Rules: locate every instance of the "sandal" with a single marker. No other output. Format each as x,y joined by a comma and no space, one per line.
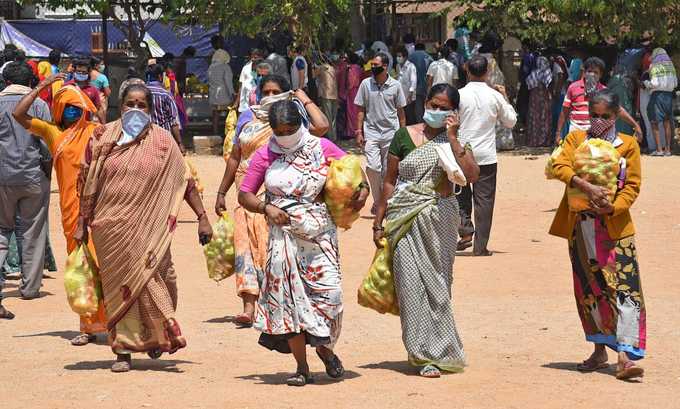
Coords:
243,320
83,339
333,365
464,244
300,379
591,365
5,314
122,364
155,353
629,371
430,371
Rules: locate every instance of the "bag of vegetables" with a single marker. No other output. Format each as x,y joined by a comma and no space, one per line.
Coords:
551,160
81,282
344,177
597,162
194,174
229,132
377,290
219,253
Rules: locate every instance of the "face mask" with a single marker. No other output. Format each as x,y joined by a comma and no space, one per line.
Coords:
288,142
401,60
435,118
134,121
71,114
101,68
590,80
377,70
334,57
600,127
80,77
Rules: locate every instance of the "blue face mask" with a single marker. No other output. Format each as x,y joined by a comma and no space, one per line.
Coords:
134,122
435,119
71,114
80,77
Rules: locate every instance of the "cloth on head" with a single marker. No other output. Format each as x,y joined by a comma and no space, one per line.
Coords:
262,111
542,74
71,95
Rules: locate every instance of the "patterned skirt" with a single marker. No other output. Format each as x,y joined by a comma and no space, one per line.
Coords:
607,287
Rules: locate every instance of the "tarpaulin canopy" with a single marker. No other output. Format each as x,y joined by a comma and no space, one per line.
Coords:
10,35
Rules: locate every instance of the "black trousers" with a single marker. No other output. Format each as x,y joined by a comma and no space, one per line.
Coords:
483,195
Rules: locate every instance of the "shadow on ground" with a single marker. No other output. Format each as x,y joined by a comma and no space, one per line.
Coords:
61,334
279,378
403,367
17,294
159,365
221,320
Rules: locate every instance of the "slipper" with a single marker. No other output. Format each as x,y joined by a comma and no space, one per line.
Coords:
243,320
5,314
300,379
591,365
430,371
122,364
333,365
464,244
83,339
630,371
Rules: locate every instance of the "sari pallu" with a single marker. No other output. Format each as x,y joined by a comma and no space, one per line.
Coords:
250,229
130,200
422,230
301,287
607,287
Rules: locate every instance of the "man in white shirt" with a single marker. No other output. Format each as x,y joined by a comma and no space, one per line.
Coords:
480,108
247,79
298,70
442,71
381,103
408,78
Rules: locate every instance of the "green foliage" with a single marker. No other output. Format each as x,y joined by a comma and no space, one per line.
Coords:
555,22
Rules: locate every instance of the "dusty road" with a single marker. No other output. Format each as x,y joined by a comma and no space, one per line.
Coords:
515,312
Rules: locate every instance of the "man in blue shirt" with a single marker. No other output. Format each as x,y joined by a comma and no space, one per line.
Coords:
422,61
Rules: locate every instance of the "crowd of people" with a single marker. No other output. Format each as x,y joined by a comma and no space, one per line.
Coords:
429,129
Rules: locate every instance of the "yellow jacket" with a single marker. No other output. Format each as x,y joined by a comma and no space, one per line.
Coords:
619,224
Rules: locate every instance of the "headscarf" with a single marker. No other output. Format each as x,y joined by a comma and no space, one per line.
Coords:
542,74
221,57
261,111
662,65
575,69
72,95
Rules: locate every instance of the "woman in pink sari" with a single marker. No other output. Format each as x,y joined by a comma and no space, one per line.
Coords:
354,78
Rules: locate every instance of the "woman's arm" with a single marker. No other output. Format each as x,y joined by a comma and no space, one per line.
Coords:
21,110
228,178
389,182
251,203
193,198
463,156
318,122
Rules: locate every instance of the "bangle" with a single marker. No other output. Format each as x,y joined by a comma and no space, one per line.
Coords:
200,215
378,228
364,185
264,207
221,193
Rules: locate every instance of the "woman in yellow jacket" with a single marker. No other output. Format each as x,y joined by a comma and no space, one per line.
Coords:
602,247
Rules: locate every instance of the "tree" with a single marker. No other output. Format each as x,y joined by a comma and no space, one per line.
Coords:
556,22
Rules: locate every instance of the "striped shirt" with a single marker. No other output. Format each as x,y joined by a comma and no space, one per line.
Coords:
577,102
165,113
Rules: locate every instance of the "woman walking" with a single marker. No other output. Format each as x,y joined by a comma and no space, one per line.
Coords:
251,232
539,122
66,139
133,181
424,165
301,298
602,247
354,78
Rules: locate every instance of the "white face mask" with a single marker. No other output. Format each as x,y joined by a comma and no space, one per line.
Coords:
134,121
290,143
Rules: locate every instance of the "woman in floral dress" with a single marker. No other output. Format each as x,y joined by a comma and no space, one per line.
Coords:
300,300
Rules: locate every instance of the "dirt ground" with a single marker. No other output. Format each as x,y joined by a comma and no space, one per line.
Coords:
515,312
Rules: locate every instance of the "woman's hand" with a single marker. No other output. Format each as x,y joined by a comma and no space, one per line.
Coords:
205,231
378,235
220,204
51,80
452,125
597,195
302,96
275,215
359,199
603,209
80,235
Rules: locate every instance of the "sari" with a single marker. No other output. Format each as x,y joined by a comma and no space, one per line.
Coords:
67,149
250,231
354,78
131,196
301,287
422,230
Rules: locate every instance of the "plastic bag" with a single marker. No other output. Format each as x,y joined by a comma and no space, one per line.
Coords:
219,253
377,290
344,177
549,174
597,162
81,281
194,174
229,133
